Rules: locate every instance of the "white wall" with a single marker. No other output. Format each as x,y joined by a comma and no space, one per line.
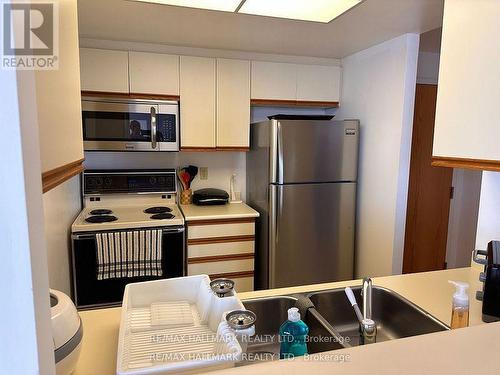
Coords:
26,344
61,206
463,217
379,88
488,227
428,67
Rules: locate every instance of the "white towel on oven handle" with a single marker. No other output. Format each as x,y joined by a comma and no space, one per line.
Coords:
129,254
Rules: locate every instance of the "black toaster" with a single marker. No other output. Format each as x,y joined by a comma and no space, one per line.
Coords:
490,295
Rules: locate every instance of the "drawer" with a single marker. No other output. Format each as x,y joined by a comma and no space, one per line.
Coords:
220,230
220,266
217,249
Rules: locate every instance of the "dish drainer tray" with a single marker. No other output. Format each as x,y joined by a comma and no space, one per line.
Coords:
175,326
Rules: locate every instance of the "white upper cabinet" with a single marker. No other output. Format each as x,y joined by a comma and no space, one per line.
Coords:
59,111
318,83
468,97
233,103
154,73
197,102
295,82
104,70
274,81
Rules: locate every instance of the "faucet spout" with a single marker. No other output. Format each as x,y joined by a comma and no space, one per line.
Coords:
366,293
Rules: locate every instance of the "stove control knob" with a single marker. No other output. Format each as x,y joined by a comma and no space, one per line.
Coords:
152,180
482,277
99,181
107,181
479,295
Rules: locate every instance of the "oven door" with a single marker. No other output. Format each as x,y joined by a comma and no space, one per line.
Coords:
130,125
89,292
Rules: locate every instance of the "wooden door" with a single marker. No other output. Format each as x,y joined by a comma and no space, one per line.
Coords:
428,194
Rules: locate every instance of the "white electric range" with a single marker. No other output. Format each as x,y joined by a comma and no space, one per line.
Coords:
129,230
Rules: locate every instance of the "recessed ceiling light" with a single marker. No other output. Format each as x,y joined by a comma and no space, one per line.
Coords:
223,5
306,10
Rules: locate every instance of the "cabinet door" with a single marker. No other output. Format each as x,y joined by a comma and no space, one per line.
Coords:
318,83
104,70
233,103
466,129
197,102
154,73
274,81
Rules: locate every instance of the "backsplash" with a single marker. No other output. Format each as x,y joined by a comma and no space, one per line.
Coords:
221,165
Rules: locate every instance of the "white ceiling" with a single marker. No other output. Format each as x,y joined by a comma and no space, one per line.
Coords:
369,23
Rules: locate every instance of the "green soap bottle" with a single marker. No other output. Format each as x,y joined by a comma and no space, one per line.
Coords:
293,336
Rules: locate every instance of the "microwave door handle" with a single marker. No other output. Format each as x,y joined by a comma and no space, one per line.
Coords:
153,127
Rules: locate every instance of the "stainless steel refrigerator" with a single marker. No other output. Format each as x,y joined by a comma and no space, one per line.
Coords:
301,177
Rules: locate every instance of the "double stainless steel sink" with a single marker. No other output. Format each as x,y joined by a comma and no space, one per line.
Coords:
332,322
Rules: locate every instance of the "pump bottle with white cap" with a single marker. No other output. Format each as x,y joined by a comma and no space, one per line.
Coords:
460,307
293,336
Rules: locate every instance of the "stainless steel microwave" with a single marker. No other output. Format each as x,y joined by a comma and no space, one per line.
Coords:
130,125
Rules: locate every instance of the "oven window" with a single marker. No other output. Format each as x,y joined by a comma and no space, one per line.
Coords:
116,126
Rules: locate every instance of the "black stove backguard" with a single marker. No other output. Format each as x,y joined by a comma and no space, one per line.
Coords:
89,292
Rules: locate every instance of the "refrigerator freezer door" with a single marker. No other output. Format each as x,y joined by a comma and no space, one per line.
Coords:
311,234
316,151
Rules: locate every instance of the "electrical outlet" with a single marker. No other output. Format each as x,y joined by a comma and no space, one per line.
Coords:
203,173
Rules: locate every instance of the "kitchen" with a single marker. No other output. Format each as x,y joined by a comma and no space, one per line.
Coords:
228,70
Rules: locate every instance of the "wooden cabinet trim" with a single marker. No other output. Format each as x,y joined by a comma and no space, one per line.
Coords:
132,95
293,103
200,241
198,149
232,275
451,162
233,148
219,258
221,221
57,176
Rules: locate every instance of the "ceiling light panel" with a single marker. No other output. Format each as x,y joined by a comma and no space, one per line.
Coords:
306,10
223,5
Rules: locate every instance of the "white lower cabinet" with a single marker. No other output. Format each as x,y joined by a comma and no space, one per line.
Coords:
222,248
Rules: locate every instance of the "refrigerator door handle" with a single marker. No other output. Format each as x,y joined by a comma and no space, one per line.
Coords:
273,234
275,214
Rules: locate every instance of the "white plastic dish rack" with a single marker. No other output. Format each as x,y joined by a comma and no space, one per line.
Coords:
175,326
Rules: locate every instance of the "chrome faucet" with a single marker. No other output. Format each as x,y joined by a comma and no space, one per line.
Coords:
366,293
367,327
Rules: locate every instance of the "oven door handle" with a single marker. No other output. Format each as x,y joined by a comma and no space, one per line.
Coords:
153,127
174,230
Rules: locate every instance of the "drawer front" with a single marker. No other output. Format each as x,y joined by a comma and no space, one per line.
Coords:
220,230
221,266
218,249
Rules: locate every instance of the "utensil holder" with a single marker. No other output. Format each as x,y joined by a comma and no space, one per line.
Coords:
186,196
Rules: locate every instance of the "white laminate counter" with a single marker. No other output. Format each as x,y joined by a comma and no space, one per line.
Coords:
193,212
464,351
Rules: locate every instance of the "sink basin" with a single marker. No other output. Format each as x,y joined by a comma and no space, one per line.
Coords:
396,317
271,313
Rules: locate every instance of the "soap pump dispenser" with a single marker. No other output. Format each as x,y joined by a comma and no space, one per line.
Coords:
460,307
293,336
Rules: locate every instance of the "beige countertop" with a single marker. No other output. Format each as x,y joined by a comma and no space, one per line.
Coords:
459,351
193,212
